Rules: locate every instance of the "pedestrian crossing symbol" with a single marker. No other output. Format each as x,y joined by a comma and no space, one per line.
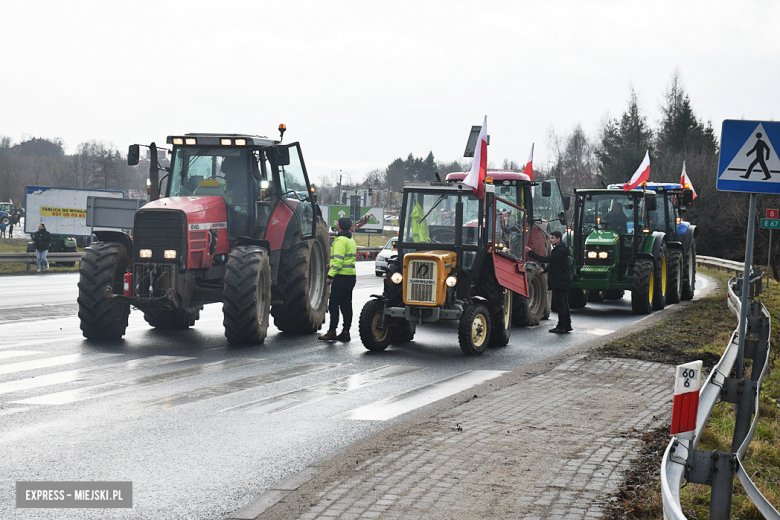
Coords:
748,157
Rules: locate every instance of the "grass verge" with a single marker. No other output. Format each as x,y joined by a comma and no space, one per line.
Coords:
20,246
701,330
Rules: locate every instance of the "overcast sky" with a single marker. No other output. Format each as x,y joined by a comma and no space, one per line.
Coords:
362,83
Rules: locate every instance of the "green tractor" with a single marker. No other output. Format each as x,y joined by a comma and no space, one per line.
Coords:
615,248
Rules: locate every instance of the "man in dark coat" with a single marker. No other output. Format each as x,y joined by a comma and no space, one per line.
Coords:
559,280
42,239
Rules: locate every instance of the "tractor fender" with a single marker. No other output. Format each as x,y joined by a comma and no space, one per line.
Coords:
677,246
688,238
116,236
249,241
658,242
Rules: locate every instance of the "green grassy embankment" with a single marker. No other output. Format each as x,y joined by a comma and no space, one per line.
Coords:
20,246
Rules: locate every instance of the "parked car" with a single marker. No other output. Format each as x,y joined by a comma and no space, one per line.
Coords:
387,253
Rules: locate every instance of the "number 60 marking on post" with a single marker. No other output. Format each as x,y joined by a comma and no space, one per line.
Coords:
687,381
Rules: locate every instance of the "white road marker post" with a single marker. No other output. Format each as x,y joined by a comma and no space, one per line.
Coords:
687,381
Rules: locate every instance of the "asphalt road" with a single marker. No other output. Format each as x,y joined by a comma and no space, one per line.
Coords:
201,428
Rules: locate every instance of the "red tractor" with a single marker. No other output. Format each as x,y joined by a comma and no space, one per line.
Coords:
227,224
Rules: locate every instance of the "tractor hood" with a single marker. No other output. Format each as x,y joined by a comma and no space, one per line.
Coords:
602,238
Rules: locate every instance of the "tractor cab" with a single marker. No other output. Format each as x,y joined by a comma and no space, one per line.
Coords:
253,175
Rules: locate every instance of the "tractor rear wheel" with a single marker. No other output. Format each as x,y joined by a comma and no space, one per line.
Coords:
614,294
642,286
474,329
661,271
595,296
246,295
502,322
674,281
530,310
373,338
300,284
178,319
101,274
689,272
578,298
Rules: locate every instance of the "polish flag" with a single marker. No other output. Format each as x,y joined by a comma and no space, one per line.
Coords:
641,175
686,181
476,177
529,166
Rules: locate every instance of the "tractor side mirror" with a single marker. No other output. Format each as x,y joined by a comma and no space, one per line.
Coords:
687,197
133,155
566,203
562,218
282,156
651,203
546,189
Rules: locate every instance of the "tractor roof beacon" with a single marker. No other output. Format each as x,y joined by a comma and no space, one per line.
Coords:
225,224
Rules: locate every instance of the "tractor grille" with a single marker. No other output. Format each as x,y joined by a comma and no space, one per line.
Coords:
160,230
421,282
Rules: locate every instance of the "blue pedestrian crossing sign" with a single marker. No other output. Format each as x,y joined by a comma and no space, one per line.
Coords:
748,157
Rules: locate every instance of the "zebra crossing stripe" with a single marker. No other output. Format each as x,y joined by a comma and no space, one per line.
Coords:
90,392
406,402
209,392
81,374
50,362
323,390
5,354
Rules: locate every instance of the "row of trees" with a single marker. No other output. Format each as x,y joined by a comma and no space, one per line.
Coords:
43,162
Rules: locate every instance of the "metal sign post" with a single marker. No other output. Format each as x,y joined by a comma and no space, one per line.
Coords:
746,283
771,221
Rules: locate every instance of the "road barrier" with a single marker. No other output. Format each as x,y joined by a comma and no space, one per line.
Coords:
681,460
719,264
29,258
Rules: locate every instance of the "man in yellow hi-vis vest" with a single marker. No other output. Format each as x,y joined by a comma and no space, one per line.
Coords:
419,225
341,278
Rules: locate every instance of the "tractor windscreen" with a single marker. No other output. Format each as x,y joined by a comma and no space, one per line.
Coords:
430,217
612,212
210,171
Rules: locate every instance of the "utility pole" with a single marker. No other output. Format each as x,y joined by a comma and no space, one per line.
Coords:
338,200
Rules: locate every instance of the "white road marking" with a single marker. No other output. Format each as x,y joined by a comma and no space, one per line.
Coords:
18,353
406,402
50,362
323,390
598,332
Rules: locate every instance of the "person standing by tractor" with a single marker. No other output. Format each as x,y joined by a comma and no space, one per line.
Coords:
559,280
42,239
341,278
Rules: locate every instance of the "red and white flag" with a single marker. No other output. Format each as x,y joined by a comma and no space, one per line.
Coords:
641,175
476,177
529,166
686,182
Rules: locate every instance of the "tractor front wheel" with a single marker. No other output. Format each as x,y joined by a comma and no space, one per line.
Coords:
474,329
373,337
689,272
595,296
101,274
578,298
614,294
246,295
661,271
502,322
642,286
530,310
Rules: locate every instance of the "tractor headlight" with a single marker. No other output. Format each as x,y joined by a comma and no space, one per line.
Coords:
451,281
592,254
603,254
170,253
145,253
397,278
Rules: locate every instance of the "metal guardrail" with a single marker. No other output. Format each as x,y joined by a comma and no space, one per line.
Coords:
682,460
27,258
719,264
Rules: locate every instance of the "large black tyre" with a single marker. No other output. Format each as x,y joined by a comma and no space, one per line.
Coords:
502,322
689,272
596,296
101,274
178,319
474,329
5,219
246,295
372,337
674,276
531,310
401,332
578,298
300,284
614,294
642,286
661,271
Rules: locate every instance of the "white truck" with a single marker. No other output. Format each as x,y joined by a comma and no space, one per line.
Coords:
64,213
